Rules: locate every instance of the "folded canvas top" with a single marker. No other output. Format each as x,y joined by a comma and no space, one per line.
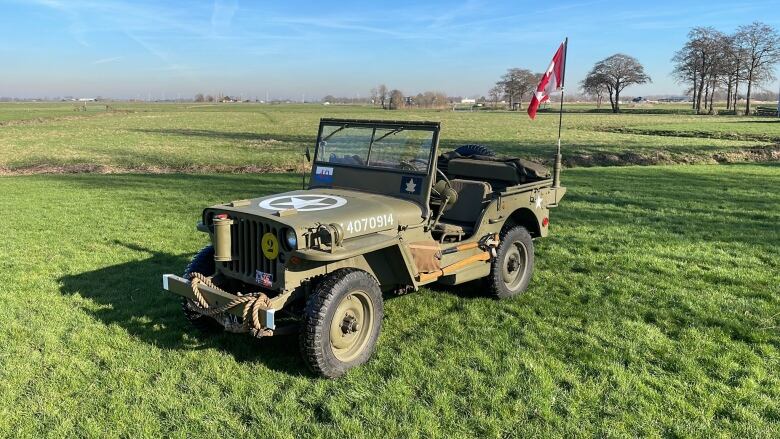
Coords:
508,170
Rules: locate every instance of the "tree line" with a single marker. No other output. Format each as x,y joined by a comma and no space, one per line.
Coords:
514,86
394,99
608,76
712,61
220,98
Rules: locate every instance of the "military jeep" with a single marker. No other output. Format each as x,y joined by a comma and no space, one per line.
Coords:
382,212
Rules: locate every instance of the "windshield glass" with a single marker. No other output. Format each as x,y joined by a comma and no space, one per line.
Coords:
389,148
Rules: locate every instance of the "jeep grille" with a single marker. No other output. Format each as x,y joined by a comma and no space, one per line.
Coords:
248,257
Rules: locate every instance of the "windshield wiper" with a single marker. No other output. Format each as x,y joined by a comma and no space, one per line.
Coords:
334,132
395,131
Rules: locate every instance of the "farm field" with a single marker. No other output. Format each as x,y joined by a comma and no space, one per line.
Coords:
259,138
654,310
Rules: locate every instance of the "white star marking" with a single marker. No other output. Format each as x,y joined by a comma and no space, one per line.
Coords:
410,186
303,203
539,201
298,203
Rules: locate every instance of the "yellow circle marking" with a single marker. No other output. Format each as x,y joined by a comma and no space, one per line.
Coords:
270,245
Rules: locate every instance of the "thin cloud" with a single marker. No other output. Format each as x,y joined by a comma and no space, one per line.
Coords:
107,60
222,15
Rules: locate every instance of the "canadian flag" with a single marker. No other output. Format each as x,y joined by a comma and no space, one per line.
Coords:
552,81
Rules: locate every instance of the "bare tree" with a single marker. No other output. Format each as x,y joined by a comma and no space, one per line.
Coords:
199,97
516,84
495,94
761,44
686,70
697,61
209,98
732,69
396,99
431,99
595,86
616,73
374,95
381,93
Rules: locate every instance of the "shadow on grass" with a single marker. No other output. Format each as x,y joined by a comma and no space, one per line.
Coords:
130,295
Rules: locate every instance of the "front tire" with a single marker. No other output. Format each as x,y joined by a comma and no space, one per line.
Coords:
513,266
203,263
342,321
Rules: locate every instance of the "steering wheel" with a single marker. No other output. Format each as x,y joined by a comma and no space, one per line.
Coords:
439,196
410,164
407,166
444,177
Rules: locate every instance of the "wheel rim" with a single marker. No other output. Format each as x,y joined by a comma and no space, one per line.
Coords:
514,266
351,326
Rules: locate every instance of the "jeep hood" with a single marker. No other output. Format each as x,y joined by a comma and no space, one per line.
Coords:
358,213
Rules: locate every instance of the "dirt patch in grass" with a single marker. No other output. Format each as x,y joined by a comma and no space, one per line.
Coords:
758,154
720,135
87,168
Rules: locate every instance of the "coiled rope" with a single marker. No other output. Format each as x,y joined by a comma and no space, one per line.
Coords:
252,302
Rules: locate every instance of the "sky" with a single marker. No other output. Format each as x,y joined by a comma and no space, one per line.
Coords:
293,49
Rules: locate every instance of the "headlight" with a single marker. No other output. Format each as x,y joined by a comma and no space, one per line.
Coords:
291,239
323,232
331,234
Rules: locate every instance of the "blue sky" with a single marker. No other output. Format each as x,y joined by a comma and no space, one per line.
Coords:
289,48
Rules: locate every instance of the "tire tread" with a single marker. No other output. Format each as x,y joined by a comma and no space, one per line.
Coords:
497,287
314,330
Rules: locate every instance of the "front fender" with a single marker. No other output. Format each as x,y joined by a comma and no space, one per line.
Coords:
384,257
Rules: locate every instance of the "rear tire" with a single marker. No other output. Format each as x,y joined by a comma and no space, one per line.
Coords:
203,263
341,323
512,268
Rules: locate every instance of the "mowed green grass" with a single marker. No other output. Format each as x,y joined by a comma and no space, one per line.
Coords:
654,311
257,137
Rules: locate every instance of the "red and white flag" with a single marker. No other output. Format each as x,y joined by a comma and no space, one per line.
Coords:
552,81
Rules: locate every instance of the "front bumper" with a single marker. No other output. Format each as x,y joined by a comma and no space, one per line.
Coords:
181,286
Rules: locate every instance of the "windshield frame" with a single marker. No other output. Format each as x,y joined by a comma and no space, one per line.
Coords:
432,127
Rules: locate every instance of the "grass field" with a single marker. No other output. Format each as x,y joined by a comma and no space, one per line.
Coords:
654,311
254,137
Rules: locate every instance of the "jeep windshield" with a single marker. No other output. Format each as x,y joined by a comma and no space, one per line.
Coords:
397,147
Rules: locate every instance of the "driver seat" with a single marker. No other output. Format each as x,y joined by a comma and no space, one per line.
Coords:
459,220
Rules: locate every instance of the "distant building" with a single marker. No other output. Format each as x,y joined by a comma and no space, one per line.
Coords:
468,101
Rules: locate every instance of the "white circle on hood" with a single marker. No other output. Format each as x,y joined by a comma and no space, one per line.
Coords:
303,203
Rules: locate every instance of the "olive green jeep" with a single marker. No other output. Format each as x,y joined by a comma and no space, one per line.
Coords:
382,212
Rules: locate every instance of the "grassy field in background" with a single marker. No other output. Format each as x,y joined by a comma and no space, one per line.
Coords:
257,137
654,310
